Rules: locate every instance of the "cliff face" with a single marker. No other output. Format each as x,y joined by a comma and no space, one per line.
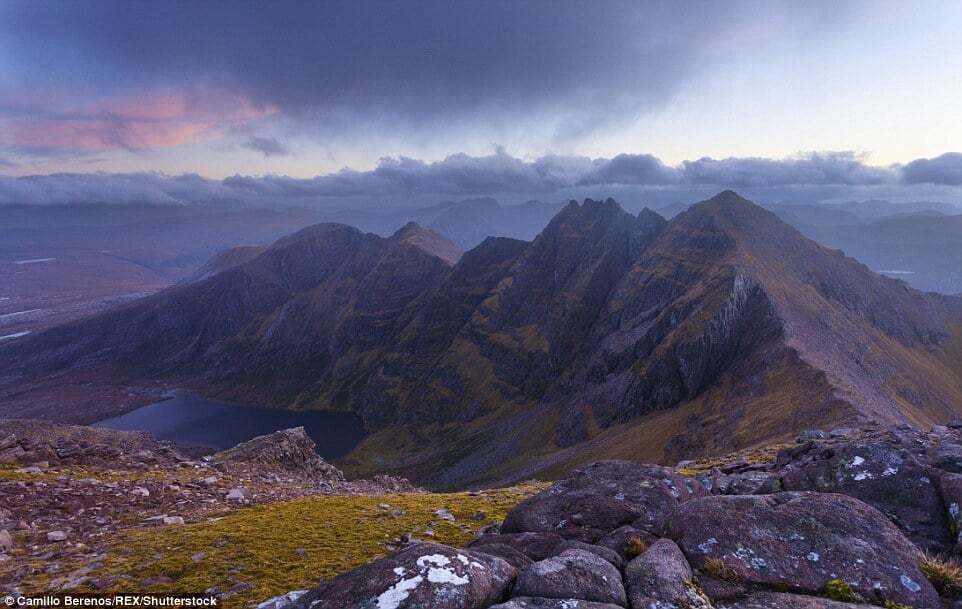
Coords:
608,335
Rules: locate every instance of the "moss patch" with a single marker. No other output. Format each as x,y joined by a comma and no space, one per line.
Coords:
840,590
289,545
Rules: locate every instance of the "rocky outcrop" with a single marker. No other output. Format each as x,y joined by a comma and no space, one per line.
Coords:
289,450
28,442
725,535
880,471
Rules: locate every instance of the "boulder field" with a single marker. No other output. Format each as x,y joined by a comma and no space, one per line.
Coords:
844,519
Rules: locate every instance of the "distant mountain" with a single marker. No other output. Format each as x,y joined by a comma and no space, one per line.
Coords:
924,249
94,256
467,223
609,334
227,259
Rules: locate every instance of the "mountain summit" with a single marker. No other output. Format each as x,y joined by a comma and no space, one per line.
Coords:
607,335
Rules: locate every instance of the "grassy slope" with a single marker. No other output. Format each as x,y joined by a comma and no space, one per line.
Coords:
285,546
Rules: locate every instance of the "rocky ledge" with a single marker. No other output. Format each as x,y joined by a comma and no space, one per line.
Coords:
845,519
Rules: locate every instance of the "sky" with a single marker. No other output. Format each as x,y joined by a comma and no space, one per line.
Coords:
185,100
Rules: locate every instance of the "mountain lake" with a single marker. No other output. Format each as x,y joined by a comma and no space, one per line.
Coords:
193,421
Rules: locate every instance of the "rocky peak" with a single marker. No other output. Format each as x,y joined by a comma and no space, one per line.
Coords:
428,241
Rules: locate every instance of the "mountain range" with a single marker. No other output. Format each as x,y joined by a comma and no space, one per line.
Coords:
608,335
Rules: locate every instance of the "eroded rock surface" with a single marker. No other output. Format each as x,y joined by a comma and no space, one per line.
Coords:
552,603
603,496
803,541
770,600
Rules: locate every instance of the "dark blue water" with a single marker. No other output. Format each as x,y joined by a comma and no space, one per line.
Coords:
193,421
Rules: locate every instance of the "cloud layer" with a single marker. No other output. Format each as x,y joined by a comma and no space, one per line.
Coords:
496,174
91,75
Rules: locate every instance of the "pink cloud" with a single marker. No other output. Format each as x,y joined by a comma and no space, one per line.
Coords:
149,119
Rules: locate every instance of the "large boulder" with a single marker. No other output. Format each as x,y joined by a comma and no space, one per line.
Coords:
603,496
607,553
803,541
514,557
536,546
573,574
422,575
661,577
775,600
879,470
527,602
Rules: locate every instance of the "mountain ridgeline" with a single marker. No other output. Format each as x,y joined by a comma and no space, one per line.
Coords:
608,335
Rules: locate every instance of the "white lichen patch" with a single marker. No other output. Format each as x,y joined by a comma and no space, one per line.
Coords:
910,584
707,545
439,560
398,593
446,576
547,567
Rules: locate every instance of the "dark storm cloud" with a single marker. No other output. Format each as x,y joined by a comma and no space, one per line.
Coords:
496,174
268,146
332,66
945,169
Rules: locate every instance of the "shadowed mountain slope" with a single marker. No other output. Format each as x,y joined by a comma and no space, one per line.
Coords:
608,335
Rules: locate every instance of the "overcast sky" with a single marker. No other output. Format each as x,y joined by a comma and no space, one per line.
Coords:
535,96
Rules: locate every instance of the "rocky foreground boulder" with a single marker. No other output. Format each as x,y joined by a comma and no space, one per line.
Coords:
603,496
841,520
802,541
421,575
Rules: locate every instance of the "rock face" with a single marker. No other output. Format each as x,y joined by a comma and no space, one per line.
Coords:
420,576
803,541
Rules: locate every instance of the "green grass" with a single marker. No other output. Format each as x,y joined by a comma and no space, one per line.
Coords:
288,545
